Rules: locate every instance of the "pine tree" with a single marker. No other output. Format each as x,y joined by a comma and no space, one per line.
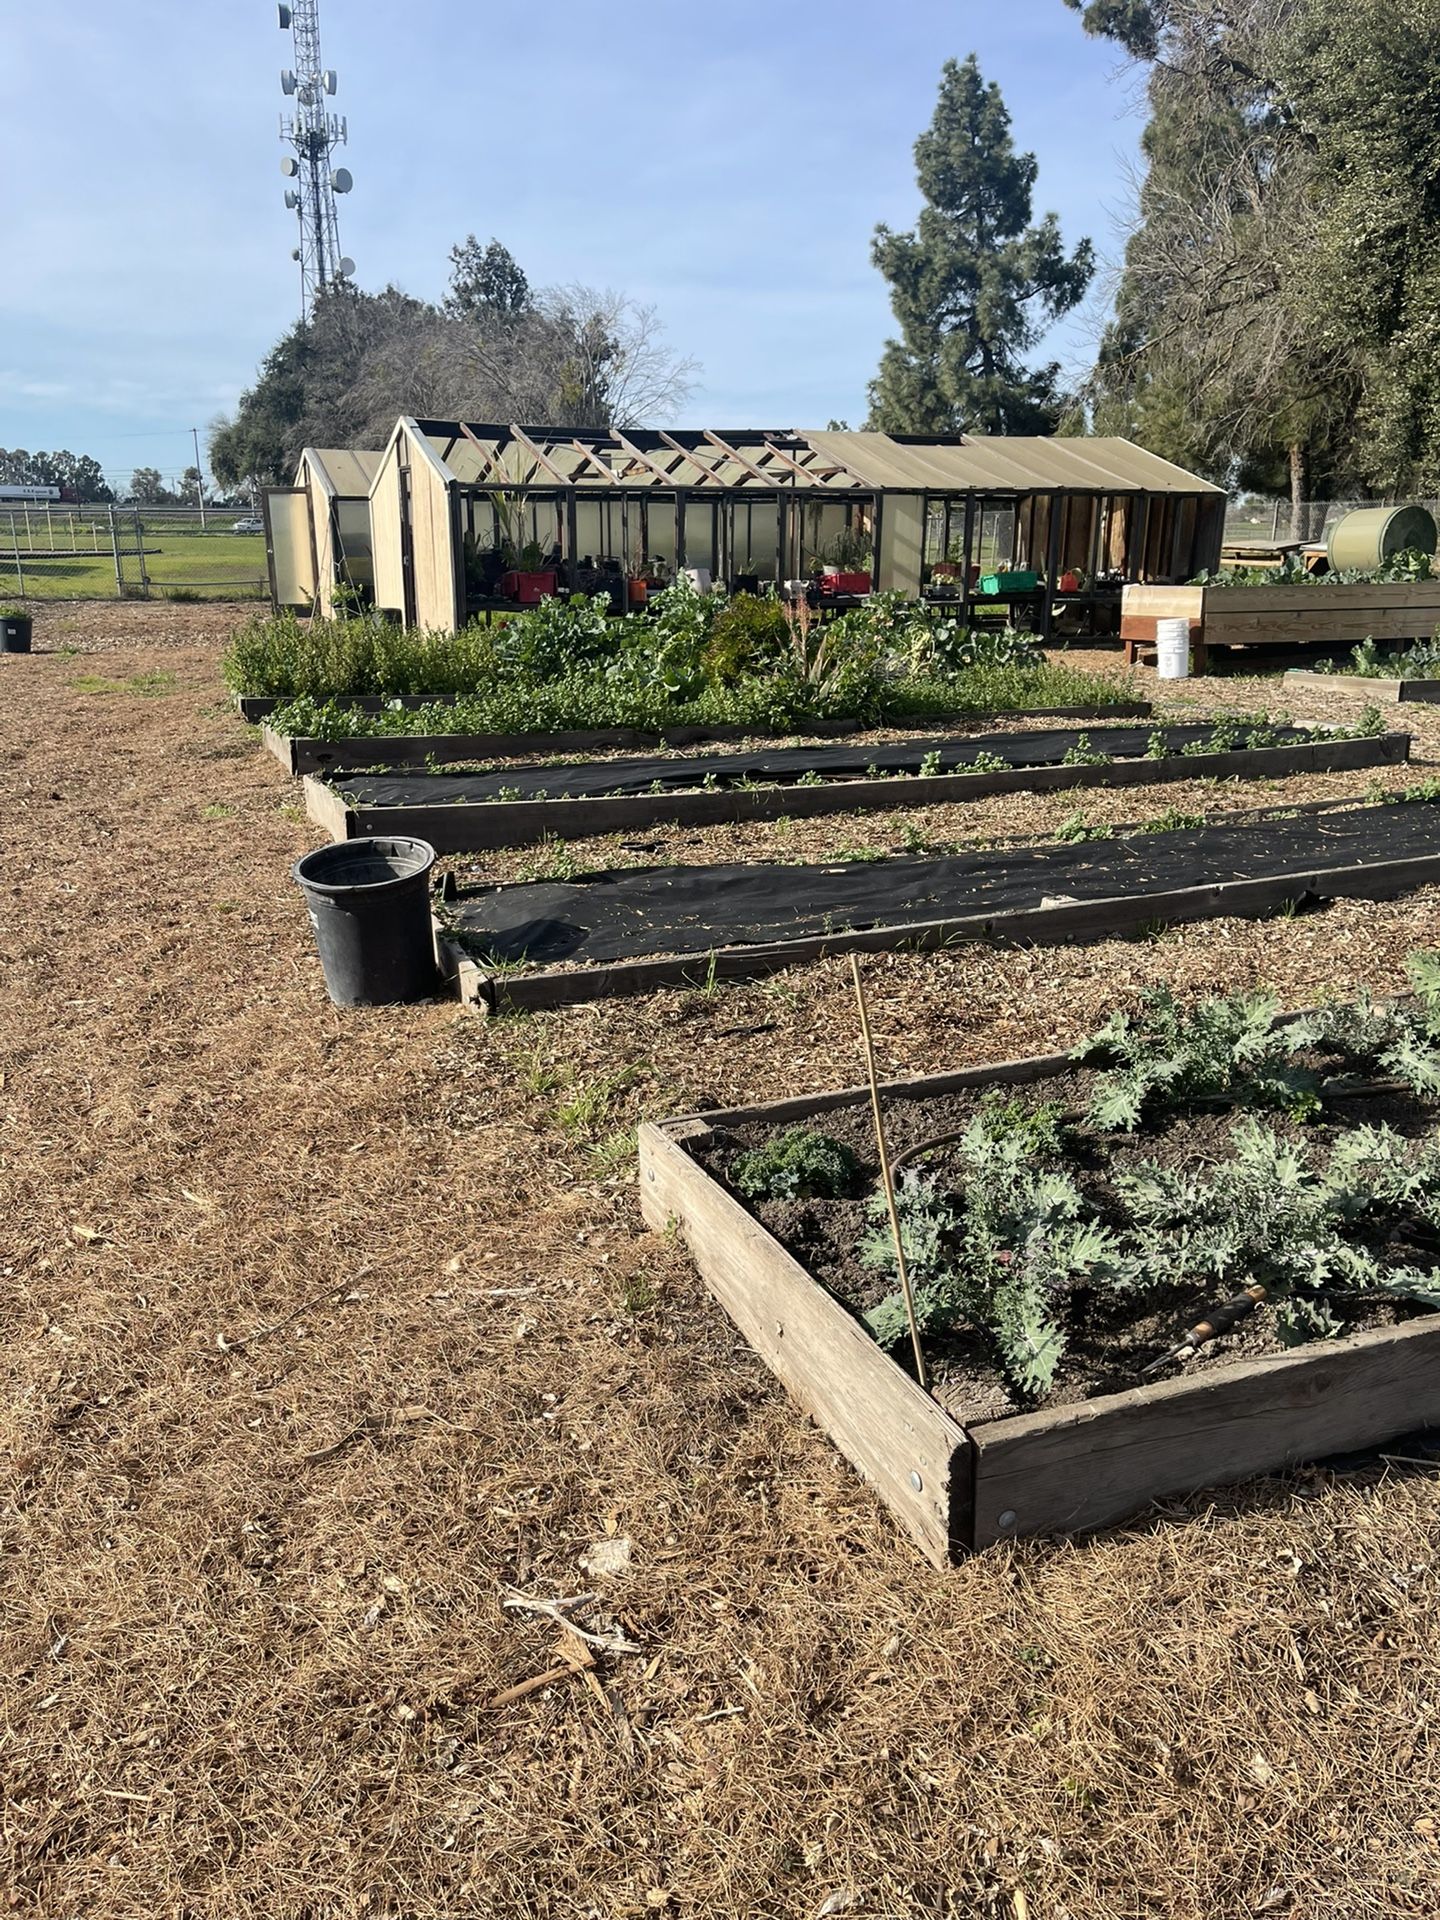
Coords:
974,286
486,282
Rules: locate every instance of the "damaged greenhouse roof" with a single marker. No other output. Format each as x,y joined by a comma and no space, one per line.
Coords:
785,460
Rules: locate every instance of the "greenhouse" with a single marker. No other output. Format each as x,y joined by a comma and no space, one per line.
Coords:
472,519
318,530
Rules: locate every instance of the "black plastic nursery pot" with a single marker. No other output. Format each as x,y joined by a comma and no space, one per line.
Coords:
15,630
369,903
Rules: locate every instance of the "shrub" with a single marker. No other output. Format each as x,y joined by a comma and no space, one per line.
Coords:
748,636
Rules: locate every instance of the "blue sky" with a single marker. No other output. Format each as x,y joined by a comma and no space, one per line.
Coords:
725,163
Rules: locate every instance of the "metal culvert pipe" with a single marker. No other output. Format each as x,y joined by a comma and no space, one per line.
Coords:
1368,537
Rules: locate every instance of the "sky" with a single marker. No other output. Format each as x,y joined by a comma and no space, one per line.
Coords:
726,165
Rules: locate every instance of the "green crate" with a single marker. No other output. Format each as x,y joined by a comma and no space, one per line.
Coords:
1009,582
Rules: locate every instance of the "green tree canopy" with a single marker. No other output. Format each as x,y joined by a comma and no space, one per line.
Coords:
1278,308
486,282
78,473
975,285
494,350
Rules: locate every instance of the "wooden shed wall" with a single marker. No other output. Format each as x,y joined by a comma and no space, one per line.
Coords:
385,539
433,548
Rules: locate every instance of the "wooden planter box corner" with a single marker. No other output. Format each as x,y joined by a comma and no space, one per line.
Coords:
1064,1470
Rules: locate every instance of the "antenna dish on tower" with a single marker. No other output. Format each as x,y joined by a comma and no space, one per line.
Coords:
313,133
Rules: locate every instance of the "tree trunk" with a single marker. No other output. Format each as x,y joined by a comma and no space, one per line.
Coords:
1299,490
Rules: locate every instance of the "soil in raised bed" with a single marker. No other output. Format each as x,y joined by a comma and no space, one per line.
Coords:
1110,1343
629,913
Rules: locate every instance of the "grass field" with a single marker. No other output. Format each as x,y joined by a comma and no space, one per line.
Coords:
177,561
323,1333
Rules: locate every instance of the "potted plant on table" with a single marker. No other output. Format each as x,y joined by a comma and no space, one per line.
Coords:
528,581
15,629
846,562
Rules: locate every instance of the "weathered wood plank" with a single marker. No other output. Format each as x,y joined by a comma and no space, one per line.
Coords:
485,825
327,808
1162,603
1329,626
521,991
1075,1468
930,1086
1377,690
915,1456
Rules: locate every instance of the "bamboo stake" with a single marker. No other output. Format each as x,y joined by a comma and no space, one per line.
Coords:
889,1184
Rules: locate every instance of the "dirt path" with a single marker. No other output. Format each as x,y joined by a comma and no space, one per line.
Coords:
321,1332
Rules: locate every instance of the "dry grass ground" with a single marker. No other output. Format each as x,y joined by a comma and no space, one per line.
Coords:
323,1331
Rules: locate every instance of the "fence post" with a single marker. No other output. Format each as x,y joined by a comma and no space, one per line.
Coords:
19,563
115,549
140,554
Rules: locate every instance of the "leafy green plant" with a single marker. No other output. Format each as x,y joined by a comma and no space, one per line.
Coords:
1166,1054
1003,1257
1083,754
1074,828
1171,820
798,1164
1273,1213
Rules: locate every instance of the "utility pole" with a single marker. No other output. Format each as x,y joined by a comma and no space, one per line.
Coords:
199,476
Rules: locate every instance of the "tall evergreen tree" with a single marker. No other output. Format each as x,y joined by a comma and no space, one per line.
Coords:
975,285
486,283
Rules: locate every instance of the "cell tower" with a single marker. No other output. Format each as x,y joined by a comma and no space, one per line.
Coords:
314,133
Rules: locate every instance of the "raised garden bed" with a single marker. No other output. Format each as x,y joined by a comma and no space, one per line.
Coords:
258,706
1373,687
957,1465
557,942
302,754
459,812
1223,616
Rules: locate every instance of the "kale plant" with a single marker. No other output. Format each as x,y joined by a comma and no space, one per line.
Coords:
1004,1255
1272,1213
796,1165
1164,1055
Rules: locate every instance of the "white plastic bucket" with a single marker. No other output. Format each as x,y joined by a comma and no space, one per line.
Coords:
1172,649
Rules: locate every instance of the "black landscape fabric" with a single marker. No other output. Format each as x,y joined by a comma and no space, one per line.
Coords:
650,911
775,766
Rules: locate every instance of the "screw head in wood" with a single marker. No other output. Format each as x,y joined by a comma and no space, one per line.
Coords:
1007,1518
917,1483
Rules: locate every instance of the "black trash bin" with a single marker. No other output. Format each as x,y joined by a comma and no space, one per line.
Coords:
14,631
369,904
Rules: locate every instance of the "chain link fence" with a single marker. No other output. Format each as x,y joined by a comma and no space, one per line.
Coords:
57,552
1253,521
